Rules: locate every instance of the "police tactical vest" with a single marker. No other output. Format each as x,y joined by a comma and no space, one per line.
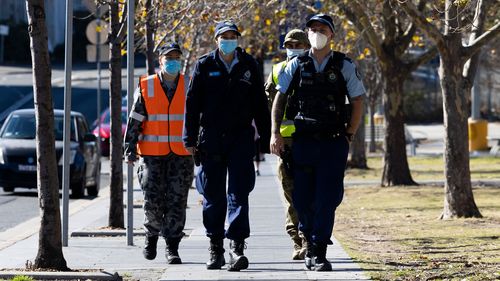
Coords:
317,105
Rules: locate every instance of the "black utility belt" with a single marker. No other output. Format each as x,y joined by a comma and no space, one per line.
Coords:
318,135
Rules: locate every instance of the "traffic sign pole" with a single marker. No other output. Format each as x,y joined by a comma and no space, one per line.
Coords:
67,118
98,60
130,92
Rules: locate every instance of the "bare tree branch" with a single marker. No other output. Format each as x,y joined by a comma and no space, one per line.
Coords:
123,24
423,58
389,23
422,22
173,28
407,37
488,36
360,19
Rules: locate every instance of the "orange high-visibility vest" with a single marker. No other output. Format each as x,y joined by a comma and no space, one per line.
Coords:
162,130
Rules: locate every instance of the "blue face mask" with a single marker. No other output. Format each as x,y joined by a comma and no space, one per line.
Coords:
228,46
172,67
290,53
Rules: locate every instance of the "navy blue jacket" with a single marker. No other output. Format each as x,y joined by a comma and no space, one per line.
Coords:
220,106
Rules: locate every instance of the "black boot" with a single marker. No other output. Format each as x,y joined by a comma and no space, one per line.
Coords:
322,264
237,260
216,254
149,251
309,259
171,251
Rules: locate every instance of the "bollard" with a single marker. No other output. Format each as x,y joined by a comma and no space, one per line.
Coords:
478,130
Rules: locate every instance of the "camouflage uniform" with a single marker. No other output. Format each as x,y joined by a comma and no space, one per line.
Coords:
164,180
292,220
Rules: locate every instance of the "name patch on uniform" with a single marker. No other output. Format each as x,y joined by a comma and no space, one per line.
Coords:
214,73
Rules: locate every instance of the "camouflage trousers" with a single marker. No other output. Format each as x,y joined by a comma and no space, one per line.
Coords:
165,183
292,220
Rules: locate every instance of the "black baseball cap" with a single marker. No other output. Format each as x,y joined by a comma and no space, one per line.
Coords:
165,49
224,26
322,18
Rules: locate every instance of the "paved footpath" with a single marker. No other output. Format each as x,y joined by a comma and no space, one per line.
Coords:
268,249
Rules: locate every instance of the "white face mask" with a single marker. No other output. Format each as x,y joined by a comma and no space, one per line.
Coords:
290,53
318,41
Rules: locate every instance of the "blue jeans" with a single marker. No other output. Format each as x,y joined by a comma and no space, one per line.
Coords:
318,184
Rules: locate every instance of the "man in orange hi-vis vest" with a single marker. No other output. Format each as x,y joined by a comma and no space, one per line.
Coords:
165,173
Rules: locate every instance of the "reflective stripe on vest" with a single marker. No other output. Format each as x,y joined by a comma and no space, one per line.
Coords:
160,138
287,128
165,117
162,129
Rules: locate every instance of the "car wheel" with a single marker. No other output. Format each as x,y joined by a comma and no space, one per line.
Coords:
78,189
93,190
8,189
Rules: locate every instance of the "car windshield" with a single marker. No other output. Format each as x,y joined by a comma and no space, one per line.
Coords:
23,127
107,117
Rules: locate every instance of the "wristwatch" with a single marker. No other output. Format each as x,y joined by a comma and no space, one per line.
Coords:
349,136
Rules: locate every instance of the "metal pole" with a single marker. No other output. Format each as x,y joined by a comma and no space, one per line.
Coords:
98,60
130,93
1,47
476,97
67,118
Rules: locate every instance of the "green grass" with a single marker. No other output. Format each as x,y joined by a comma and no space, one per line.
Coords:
395,234
22,278
428,168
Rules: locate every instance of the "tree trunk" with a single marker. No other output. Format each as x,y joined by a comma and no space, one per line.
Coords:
358,148
373,145
150,44
396,169
50,253
115,68
459,200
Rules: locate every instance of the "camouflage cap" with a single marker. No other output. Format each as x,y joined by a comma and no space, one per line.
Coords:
296,36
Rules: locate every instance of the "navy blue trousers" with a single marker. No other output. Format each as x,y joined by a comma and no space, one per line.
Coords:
318,184
234,165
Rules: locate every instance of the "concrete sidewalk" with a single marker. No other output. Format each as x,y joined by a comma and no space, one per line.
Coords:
268,249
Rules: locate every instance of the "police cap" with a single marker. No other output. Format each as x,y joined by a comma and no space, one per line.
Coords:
322,18
224,26
167,48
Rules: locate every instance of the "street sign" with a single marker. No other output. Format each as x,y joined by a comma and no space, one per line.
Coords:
94,29
4,30
92,7
92,53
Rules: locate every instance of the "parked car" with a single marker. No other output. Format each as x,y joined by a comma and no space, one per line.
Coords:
18,152
105,132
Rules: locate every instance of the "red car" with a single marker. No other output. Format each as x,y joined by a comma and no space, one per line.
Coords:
105,133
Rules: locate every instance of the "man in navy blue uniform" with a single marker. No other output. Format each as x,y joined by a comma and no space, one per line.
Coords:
225,94
318,83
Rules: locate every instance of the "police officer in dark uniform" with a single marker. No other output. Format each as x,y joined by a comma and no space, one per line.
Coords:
321,81
225,93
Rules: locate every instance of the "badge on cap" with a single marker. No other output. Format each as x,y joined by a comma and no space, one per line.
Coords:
247,75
